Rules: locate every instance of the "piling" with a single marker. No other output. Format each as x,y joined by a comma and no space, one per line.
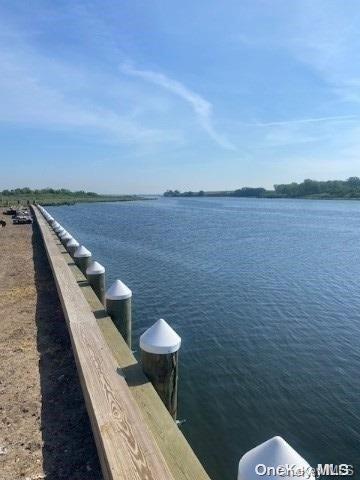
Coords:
82,257
95,274
71,246
118,306
275,453
65,238
62,233
159,356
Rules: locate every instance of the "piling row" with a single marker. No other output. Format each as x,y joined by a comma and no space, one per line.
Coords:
159,347
159,350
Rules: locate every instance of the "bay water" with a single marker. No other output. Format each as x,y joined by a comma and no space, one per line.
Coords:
265,295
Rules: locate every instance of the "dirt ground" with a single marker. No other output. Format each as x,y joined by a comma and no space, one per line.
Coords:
44,428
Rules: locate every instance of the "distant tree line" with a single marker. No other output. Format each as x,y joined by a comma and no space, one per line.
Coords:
241,192
176,193
47,191
349,188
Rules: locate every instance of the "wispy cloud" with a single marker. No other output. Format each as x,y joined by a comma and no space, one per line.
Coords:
39,91
202,108
340,118
324,36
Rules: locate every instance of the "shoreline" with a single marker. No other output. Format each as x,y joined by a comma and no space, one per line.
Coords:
46,431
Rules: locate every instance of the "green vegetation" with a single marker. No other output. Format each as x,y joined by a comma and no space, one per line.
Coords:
51,196
330,189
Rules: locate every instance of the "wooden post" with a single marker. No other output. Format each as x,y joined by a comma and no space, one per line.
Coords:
72,246
159,356
62,234
275,454
82,257
64,238
60,231
118,306
95,274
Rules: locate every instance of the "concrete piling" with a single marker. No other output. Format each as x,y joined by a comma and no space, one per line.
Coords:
265,460
95,274
118,306
159,356
82,257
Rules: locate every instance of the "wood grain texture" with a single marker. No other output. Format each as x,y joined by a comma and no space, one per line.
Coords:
180,458
127,449
162,371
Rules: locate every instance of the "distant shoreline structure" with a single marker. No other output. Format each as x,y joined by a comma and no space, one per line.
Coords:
309,189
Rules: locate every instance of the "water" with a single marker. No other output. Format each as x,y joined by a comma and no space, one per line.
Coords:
266,297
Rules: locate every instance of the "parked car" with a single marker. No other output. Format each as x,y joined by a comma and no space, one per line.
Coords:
9,211
19,220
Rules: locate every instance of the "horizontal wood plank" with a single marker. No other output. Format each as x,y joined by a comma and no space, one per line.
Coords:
126,446
178,454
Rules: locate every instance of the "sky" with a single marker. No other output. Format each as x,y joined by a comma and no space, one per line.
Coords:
143,96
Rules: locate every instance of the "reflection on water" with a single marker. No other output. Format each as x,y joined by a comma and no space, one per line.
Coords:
266,297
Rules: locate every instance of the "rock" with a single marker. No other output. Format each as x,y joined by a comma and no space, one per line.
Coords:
3,450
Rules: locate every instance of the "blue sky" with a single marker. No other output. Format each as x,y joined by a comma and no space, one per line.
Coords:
141,96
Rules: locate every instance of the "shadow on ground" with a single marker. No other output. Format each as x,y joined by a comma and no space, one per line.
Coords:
68,447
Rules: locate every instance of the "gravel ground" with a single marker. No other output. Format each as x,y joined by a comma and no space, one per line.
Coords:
44,428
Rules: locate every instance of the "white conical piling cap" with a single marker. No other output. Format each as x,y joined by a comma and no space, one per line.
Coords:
82,252
66,237
72,243
60,231
95,269
63,233
275,452
160,339
56,225
118,291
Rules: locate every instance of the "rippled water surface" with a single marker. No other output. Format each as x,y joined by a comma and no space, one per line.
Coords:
266,297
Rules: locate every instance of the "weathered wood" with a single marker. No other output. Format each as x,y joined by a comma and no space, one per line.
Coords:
162,371
95,275
127,450
180,458
82,261
120,313
118,306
